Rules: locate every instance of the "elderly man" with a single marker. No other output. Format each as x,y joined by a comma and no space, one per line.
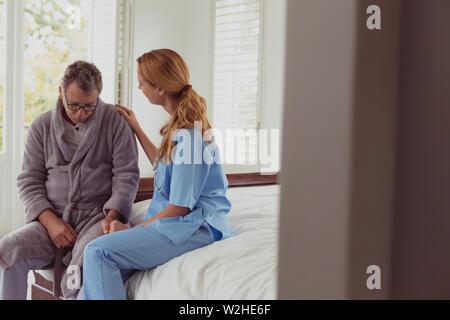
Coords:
80,173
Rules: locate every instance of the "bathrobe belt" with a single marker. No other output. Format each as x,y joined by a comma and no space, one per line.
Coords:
58,265
57,271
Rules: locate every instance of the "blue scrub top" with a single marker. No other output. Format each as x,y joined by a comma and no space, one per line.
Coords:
194,179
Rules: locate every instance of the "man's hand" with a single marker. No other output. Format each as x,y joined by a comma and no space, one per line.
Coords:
60,232
112,216
118,226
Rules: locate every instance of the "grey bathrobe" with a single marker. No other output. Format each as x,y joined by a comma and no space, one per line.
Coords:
79,187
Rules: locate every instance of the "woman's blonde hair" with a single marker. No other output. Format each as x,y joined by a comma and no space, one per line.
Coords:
166,69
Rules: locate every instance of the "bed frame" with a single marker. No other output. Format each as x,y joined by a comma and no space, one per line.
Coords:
42,288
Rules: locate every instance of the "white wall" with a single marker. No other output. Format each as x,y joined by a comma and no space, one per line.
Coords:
185,26
274,52
315,173
166,24
337,176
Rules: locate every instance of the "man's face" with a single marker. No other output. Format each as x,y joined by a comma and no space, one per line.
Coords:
78,97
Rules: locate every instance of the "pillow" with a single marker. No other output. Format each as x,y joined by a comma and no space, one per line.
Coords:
138,213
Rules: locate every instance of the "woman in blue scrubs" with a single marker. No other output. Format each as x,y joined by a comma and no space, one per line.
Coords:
189,206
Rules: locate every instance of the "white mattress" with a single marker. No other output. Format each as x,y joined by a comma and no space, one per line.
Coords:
243,267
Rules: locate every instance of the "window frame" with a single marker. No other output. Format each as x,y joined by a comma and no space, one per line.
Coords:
124,49
11,156
4,65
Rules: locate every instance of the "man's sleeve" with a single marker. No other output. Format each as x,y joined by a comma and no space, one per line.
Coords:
125,170
31,181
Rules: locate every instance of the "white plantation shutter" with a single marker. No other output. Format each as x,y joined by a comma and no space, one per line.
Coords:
103,46
2,73
124,49
237,61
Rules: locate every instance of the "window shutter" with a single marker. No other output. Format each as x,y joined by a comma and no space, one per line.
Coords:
2,69
103,45
237,72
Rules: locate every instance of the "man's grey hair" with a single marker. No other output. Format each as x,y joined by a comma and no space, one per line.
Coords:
86,75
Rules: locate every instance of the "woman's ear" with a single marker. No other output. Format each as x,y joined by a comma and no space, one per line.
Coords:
161,92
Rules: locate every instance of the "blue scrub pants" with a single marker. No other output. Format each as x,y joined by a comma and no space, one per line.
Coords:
111,259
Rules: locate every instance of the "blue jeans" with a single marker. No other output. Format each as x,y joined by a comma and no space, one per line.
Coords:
111,259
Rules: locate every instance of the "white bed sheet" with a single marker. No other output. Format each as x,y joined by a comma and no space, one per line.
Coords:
243,267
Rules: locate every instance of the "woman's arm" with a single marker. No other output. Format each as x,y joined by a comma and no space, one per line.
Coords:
168,212
149,148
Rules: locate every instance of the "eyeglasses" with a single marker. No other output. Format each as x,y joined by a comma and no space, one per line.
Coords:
76,107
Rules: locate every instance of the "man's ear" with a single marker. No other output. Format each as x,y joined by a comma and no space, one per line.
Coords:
60,93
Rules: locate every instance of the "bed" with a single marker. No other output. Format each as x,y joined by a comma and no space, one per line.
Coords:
243,267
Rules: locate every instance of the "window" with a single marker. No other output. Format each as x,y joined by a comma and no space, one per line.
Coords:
2,68
56,34
237,70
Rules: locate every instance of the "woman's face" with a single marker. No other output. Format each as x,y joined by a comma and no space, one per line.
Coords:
151,92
